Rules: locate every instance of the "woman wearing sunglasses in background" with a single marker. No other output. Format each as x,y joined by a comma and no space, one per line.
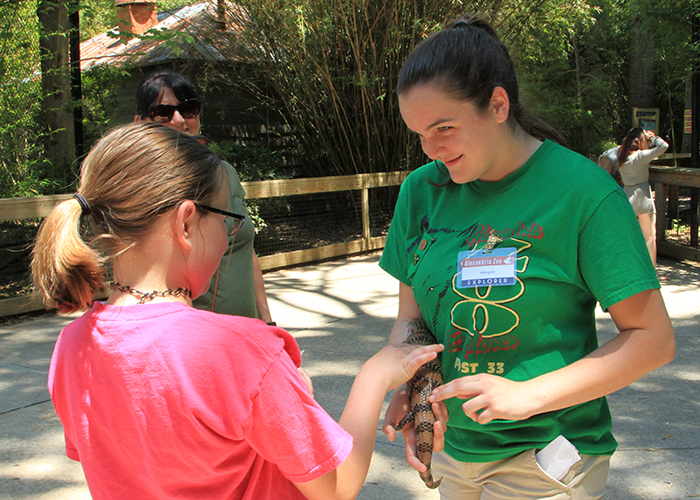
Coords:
237,288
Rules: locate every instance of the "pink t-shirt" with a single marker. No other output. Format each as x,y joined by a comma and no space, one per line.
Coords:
166,401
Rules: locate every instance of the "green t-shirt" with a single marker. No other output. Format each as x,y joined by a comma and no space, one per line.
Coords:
235,290
567,239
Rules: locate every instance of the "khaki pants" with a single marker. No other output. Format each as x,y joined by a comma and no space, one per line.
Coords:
519,478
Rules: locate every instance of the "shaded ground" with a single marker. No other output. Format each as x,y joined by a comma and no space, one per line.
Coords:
341,313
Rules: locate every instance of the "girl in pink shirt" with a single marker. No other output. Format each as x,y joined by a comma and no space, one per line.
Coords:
159,400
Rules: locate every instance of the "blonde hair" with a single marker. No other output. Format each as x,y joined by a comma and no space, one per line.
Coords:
132,175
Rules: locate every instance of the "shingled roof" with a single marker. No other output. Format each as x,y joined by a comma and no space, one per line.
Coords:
200,38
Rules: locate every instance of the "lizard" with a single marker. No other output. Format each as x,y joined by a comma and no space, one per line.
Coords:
419,388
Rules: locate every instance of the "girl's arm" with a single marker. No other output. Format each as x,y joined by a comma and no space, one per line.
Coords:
645,342
647,155
399,405
390,367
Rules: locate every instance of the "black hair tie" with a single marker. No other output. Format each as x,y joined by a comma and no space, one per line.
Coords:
84,205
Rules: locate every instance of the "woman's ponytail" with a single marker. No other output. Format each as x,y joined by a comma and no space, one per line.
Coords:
629,144
65,269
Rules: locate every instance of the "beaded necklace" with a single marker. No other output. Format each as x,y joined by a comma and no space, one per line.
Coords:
146,296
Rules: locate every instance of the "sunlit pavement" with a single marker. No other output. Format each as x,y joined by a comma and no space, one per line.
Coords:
341,313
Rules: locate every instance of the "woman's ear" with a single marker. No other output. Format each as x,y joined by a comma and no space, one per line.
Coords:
500,104
184,222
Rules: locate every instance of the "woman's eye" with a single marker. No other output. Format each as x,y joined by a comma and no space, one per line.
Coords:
445,128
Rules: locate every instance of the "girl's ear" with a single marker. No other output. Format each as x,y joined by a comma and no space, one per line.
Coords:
500,104
184,222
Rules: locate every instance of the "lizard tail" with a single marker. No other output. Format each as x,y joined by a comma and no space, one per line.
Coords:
427,478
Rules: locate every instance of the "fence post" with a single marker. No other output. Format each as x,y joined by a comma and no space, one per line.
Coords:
365,216
661,204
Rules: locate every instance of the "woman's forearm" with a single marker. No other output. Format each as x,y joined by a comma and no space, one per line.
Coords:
645,342
260,294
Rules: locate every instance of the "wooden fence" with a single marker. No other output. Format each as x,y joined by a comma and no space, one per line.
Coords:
41,206
661,178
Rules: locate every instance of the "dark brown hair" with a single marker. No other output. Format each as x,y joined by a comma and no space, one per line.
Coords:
629,144
468,60
153,85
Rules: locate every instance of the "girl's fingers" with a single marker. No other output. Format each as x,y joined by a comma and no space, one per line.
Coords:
421,356
398,407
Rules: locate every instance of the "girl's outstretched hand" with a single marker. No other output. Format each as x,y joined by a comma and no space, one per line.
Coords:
396,364
489,397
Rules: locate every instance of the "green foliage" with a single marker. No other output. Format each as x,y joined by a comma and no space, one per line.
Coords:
100,99
23,169
98,16
576,76
252,162
572,72
668,23
330,66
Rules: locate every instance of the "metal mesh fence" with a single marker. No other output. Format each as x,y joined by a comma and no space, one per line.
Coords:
16,239
283,224
19,99
299,222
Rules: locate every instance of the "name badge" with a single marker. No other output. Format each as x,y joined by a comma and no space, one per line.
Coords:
487,267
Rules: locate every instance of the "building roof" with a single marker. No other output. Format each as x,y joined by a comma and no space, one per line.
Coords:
190,32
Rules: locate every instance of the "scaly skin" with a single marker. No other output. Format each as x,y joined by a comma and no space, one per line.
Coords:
427,378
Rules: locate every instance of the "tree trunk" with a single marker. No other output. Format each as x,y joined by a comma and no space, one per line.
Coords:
54,28
642,90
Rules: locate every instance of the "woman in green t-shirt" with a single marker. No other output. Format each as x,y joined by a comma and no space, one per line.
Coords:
504,244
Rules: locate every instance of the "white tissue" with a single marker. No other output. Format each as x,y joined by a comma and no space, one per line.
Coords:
557,457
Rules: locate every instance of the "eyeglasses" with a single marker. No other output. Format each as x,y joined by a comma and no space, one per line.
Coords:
163,113
233,221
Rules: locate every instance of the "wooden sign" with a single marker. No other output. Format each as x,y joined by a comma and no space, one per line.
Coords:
646,118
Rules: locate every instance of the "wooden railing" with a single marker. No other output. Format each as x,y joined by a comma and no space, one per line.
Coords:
37,207
41,206
662,178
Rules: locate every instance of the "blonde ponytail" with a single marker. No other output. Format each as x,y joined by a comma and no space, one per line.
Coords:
131,176
65,269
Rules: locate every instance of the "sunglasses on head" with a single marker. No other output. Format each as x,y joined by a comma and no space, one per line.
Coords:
163,113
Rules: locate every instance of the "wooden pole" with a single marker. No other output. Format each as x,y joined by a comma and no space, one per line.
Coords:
695,131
